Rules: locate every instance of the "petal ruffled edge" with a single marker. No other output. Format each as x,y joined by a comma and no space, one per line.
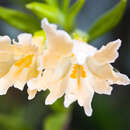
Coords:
59,44
108,53
24,38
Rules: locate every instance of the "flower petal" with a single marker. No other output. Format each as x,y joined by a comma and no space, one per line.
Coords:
17,74
39,42
5,40
24,70
6,49
21,79
55,80
83,94
16,77
121,79
82,50
58,73
108,53
59,44
100,86
106,72
5,67
56,91
25,38
5,43
70,93
69,99
31,93
5,84
37,83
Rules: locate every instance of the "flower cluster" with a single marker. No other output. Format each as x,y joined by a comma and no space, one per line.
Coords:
66,67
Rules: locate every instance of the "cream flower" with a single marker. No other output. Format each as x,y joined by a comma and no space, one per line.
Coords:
52,55
77,69
19,62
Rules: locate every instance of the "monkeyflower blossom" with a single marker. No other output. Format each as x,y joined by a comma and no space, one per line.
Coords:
19,62
77,69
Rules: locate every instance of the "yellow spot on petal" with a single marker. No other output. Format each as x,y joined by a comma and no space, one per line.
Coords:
82,71
74,72
78,72
72,55
25,62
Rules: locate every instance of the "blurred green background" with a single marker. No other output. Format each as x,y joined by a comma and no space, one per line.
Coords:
109,112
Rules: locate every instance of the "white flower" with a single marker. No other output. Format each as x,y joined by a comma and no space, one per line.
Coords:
19,62
52,55
77,69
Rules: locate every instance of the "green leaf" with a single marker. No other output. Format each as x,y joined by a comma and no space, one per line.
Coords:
75,9
107,22
56,121
14,121
72,13
58,106
66,5
22,21
59,118
107,117
52,2
43,10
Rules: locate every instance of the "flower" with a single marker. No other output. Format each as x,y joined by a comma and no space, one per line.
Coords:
19,62
51,56
77,69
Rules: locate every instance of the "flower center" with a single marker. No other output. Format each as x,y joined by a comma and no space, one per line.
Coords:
78,71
